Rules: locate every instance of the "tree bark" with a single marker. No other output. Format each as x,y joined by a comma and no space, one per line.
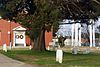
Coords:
39,42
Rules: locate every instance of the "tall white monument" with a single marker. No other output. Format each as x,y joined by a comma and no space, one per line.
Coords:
79,34
92,33
73,26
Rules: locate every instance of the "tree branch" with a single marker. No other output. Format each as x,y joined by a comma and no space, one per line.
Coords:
69,10
77,7
97,2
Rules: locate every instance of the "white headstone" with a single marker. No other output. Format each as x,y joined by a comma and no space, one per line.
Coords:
53,44
30,47
5,47
56,40
50,43
0,17
74,50
67,42
48,48
59,55
86,51
97,48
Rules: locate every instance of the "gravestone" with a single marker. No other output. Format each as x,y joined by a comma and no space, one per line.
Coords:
74,50
67,42
59,55
30,47
5,47
48,48
10,46
86,51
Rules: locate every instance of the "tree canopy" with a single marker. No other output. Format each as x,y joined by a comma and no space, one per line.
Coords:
41,15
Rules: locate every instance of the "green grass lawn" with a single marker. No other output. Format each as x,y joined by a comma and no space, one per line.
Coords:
47,58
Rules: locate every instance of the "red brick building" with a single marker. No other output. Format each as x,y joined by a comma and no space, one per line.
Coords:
7,27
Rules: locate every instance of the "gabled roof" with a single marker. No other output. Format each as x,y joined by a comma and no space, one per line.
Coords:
19,28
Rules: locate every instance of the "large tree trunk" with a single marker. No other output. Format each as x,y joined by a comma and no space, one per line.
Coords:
39,42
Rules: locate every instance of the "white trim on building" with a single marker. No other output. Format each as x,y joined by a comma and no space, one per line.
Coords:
19,36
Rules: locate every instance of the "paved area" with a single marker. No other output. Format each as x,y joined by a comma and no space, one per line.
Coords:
8,62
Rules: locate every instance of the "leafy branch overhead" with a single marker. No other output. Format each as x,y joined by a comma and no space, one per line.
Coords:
78,9
36,13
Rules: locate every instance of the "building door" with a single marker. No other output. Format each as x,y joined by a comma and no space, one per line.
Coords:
19,39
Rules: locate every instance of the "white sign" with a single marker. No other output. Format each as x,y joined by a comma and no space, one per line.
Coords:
30,47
